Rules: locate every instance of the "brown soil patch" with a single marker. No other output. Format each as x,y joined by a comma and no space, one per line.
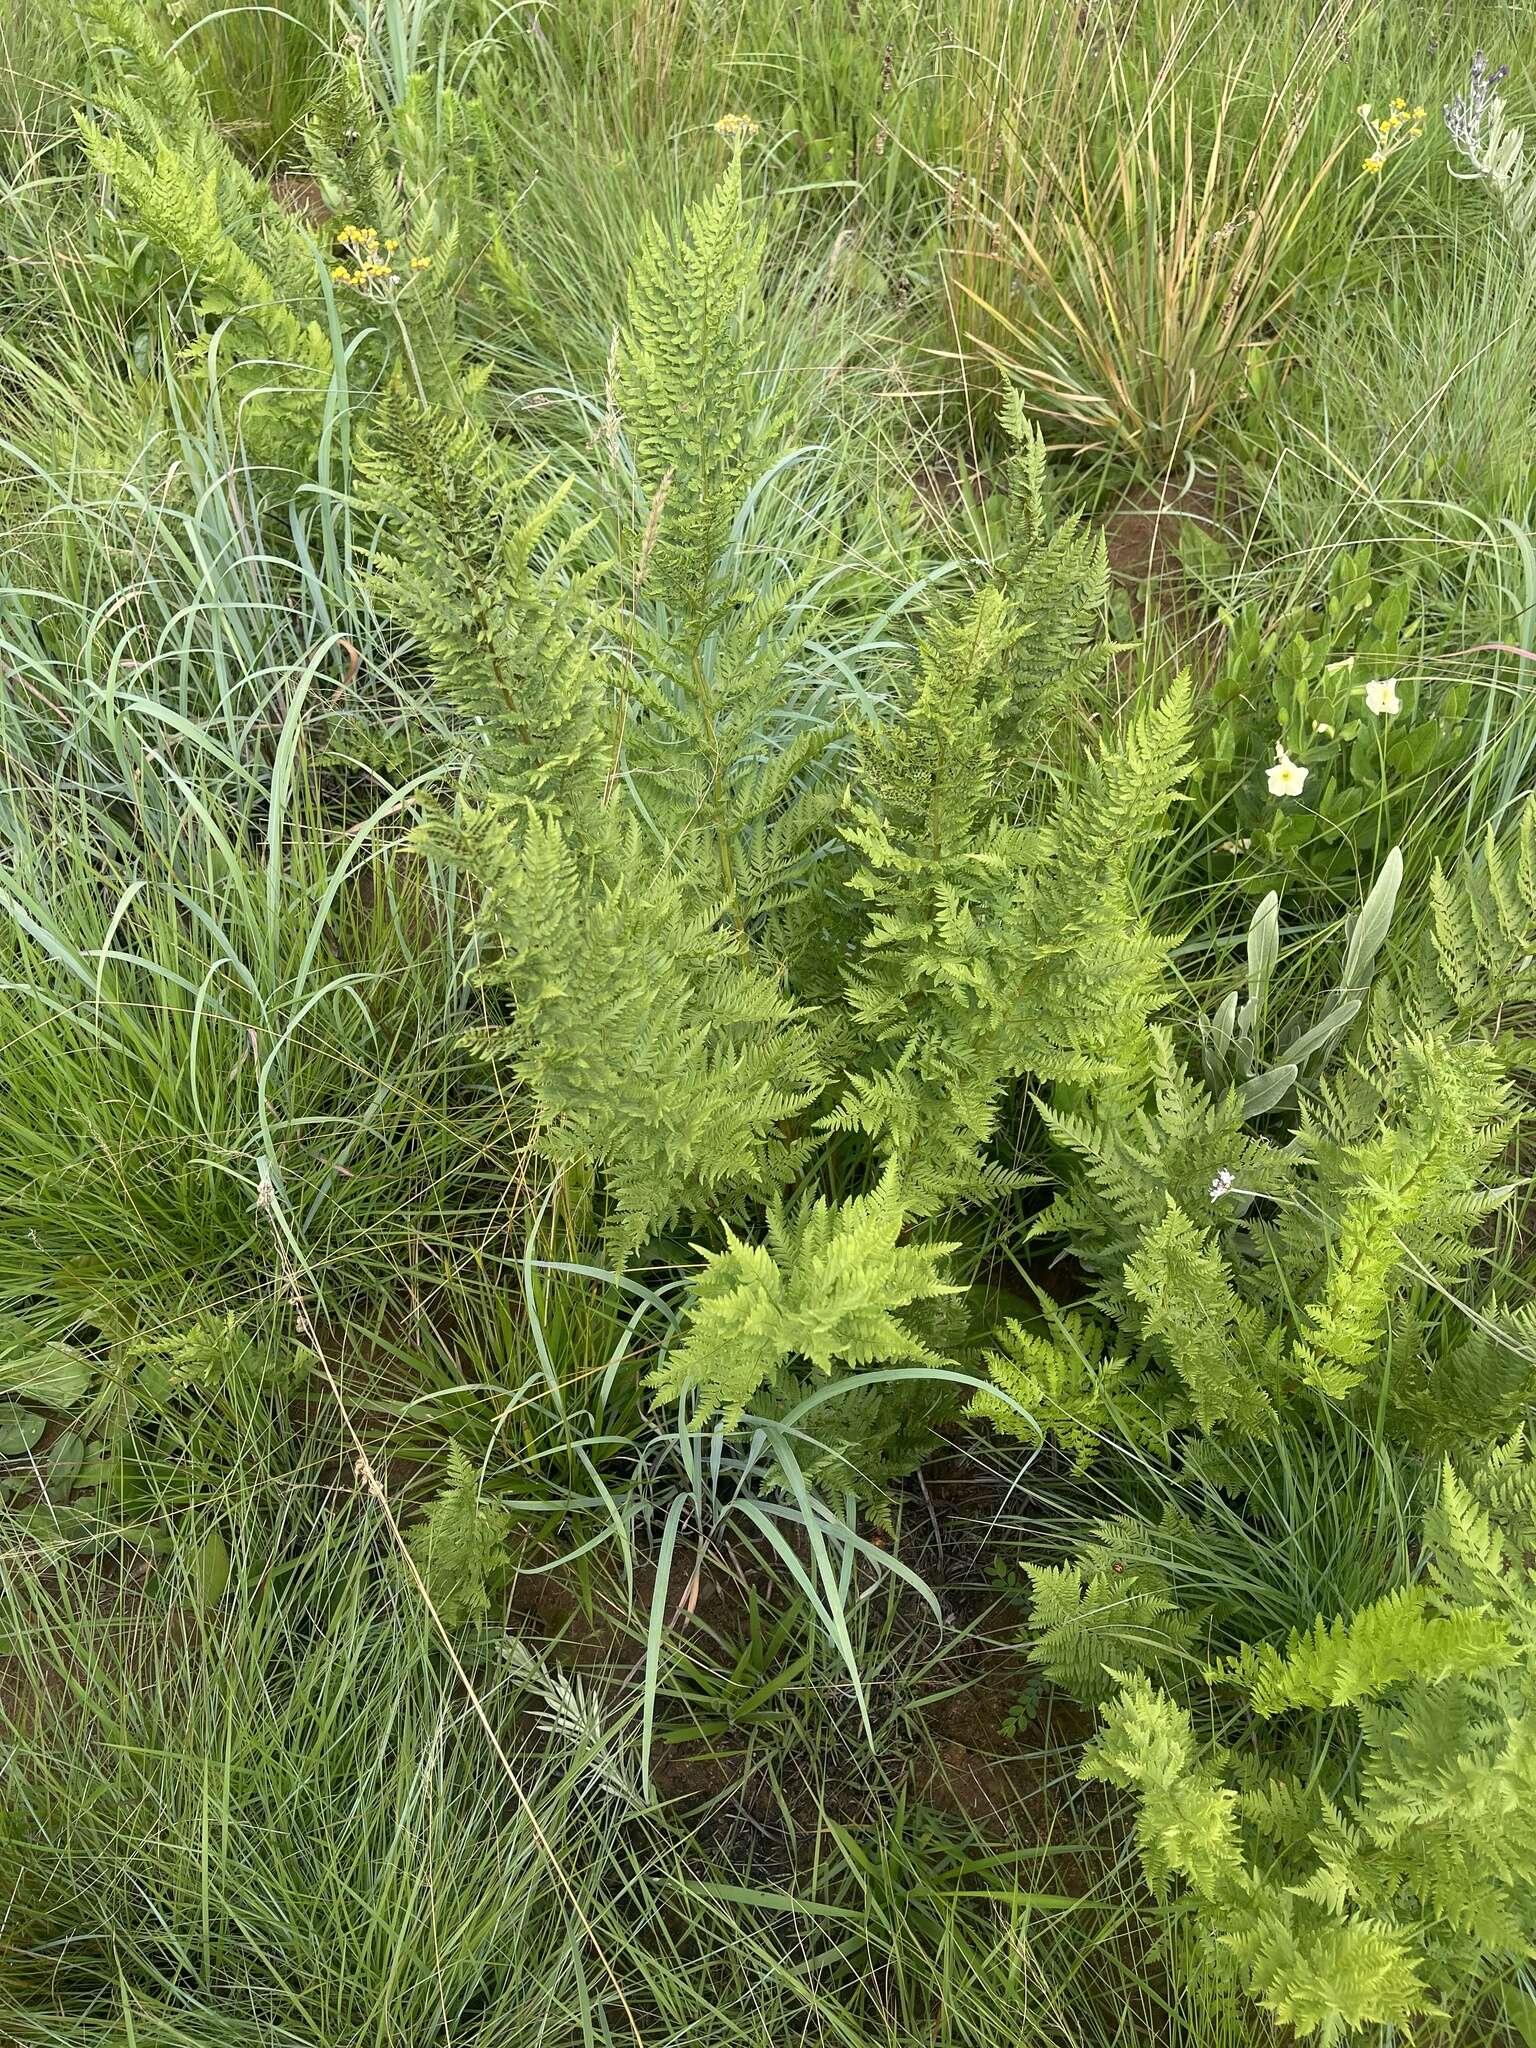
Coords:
301,197
1143,535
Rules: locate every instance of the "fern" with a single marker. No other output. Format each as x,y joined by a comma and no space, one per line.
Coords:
461,1546
1483,931
684,388
1407,1869
1250,1270
233,257
649,1042
1064,1380
571,1714
993,952
1341,1664
487,589
1112,1612
740,949
1412,1190
1216,1343
1055,573
828,1287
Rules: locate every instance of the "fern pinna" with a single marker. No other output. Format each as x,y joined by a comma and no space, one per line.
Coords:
760,946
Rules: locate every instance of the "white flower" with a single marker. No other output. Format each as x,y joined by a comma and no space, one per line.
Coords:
1287,777
1334,667
1382,698
1325,730
1222,1184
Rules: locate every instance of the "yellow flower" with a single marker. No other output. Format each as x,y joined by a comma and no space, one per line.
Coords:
1287,777
1372,164
1381,697
736,127
1419,114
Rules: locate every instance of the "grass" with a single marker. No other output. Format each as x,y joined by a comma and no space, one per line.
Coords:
646,1732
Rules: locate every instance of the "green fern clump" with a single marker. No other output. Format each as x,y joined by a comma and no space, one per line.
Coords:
829,1287
1363,1870
1255,1274
1066,1377
773,967
1113,1610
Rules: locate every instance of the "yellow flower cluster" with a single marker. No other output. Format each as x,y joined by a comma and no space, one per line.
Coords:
373,259
736,127
1389,131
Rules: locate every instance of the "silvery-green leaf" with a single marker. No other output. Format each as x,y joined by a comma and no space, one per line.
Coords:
1263,953
1324,1031
39,1368
65,1457
1369,933
1266,1089
210,1570
1216,1031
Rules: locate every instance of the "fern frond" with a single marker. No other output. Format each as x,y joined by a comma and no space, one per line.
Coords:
1343,1663
484,580
829,1287
685,386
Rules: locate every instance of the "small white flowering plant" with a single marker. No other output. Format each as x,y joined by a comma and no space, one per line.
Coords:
1329,730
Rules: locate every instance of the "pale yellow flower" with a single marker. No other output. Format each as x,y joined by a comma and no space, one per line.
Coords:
736,127
1325,729
1381,697
1287,777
